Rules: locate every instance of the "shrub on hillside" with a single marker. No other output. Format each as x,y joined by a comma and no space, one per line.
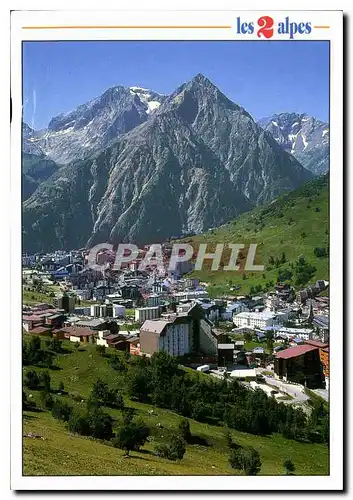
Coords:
320,252
184,430
78,423
46,400
102,395
289,467
131,436
246,459
61,410
100,424
175,450
32,380
45,381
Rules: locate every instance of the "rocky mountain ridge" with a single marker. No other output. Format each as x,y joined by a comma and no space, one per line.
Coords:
303,136
158,166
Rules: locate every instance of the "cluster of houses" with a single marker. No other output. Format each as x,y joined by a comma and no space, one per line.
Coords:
174,313
46,320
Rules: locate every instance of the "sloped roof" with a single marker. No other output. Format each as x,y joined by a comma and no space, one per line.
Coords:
76,331
293,352
39,330
32,317
156,326
316,343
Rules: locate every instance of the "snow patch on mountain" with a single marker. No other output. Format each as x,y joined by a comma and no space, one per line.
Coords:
303,136
149,97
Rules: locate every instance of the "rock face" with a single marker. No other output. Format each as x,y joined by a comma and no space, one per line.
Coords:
35,170
158,166
304,137
92,126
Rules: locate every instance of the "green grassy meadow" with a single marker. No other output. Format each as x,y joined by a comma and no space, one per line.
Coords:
295,224
62,453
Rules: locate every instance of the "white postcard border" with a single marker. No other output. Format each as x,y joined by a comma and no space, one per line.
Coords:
26,18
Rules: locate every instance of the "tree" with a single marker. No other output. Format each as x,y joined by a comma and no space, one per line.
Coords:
271,260
32,380
236,459
101,424
61,410
116,400
92,402
100,391
289,467
284,275
138,383
131,436
184,430
199,411
78,423
246,459
45,381
175,450
320,252
46,400
33,351
283,258
61,387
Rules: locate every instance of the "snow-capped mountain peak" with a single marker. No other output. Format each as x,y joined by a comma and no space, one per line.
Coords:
92,126
149,97
304,136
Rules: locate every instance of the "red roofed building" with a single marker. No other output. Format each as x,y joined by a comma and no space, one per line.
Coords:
316,343
31,321
41,330
300,364
78,334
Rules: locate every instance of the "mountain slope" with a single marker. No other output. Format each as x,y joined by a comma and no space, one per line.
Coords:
35,169
257,166
176,181
30,141
92,126
192,162
296,223
303,136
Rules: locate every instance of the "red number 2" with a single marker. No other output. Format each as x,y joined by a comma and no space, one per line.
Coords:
266,27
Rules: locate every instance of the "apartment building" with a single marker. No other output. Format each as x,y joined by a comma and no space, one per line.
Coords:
145,313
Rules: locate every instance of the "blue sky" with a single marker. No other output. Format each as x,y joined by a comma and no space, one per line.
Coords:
264,77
